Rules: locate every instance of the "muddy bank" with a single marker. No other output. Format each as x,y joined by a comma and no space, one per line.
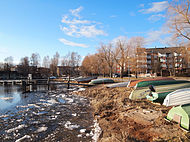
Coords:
48,117
124,120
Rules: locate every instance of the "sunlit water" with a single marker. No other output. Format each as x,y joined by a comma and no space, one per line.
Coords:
9,96
44,115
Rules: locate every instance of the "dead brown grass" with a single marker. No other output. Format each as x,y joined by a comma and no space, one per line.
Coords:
122,119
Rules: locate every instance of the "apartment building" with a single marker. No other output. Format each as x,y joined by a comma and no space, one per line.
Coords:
164,61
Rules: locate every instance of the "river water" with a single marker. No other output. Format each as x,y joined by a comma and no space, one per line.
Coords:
56,115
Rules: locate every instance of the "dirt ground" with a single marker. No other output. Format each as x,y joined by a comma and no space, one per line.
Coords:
122,119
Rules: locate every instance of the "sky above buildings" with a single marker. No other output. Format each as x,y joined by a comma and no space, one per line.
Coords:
50,26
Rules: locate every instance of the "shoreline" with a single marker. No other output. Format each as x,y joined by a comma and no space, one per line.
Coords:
122,119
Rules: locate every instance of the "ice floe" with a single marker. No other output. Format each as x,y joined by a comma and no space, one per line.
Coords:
24,137
71,126
16,128
6,98
41,129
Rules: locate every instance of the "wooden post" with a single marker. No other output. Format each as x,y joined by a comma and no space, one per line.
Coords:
68,83
48,83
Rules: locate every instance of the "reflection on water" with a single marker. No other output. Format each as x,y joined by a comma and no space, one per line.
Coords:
12,95
9,96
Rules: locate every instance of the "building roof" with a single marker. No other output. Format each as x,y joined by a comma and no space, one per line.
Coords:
164,50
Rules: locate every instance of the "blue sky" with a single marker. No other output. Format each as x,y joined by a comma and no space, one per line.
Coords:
47,26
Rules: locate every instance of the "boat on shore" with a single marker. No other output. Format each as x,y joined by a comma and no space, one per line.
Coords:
120,84
142,92
135,82
101,81
178,97
85,79
181,115
159,82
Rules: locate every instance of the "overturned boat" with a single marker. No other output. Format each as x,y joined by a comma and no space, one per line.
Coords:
101,81
142,92
120,84
181,115
135,82
85,79
178,97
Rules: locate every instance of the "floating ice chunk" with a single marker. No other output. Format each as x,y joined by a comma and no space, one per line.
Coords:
74,114
6,98
79,136
24,137
16,128
82,130
34,105
19,120
57,113
52,101
69,100
3,116
22,106
70,126
41,129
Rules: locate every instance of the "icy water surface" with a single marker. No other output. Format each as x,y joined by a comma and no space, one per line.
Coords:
45,116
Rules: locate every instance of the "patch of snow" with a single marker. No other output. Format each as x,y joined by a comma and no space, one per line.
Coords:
97,131
81,89
70,126
24,137
16,128
41,129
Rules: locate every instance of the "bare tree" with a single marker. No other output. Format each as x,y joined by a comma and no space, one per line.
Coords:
35,59
24,66
179,19
120,55
54,63
136,55
106,53
46,62
8,63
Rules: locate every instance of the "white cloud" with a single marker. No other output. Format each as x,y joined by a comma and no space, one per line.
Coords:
156,7
75,26
70,43
119,38
75,12
156,17
160,36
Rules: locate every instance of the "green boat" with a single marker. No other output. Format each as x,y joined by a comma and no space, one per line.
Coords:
101,81
142,92
181,115
160,82
157,97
